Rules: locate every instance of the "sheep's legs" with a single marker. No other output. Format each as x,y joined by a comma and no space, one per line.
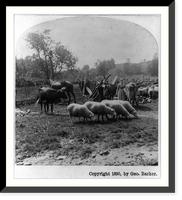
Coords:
107,117
71,119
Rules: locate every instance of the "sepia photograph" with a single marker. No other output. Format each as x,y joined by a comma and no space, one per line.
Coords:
87,92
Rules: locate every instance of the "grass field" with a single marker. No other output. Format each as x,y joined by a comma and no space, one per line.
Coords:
51,139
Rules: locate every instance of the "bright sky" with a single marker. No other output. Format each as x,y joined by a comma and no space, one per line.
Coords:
91,38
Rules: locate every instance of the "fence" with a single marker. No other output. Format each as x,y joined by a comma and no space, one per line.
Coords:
28,95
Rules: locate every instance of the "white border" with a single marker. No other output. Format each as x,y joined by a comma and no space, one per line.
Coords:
10,11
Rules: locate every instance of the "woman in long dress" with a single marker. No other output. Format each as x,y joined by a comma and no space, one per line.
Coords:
120,90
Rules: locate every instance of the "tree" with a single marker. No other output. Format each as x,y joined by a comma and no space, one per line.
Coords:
119,72
127,69
86,70
63,59
153,68
42,44
53,54
104,66
86,67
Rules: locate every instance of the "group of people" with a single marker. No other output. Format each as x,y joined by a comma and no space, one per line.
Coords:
120,93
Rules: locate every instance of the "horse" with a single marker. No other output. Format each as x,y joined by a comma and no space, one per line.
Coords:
68,85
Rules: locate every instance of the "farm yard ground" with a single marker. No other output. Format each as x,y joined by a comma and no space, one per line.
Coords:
51,139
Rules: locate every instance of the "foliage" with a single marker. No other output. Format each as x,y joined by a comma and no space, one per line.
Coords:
63,58
153,68
104,66
51,57
53,60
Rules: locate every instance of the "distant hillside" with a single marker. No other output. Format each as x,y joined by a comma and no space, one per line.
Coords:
119,69
114,72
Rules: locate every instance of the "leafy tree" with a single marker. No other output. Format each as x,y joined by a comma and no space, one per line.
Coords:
86,67
119,72
42,44
153,68
50,53
63,59
127,69
104,66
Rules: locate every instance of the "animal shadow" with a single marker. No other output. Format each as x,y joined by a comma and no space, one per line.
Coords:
143,108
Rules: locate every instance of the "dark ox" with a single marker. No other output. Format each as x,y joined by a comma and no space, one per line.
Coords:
110,91
48,96
101,90
68,88
131,90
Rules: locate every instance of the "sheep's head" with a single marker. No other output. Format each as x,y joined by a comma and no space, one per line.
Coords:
91,115
135,114
112,112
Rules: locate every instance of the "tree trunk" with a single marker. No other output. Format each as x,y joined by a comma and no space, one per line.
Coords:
52,70
47,70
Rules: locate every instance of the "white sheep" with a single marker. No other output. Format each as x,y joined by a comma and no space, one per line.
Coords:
156,89
77,110
128,107
119,108
143,91
100,109
151,92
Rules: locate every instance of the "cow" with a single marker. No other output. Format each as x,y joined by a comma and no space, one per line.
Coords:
50,96
101,90
110,91
131,90
68,85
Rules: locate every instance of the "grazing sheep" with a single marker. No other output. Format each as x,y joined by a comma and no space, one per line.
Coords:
143,91
128,107
77,110
119,108
156,89
100,109
151,92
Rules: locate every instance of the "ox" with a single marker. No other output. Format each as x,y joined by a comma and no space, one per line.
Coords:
131,90
68,85
110,91
50,96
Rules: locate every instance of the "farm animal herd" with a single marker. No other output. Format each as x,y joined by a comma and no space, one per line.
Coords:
106,107
113,108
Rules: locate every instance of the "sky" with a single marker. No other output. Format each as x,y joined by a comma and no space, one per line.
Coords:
94,37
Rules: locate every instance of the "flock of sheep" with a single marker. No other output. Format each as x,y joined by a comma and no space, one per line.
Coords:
89,109
146,94
113,108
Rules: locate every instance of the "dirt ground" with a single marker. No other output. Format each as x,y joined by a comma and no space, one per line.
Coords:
51,139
